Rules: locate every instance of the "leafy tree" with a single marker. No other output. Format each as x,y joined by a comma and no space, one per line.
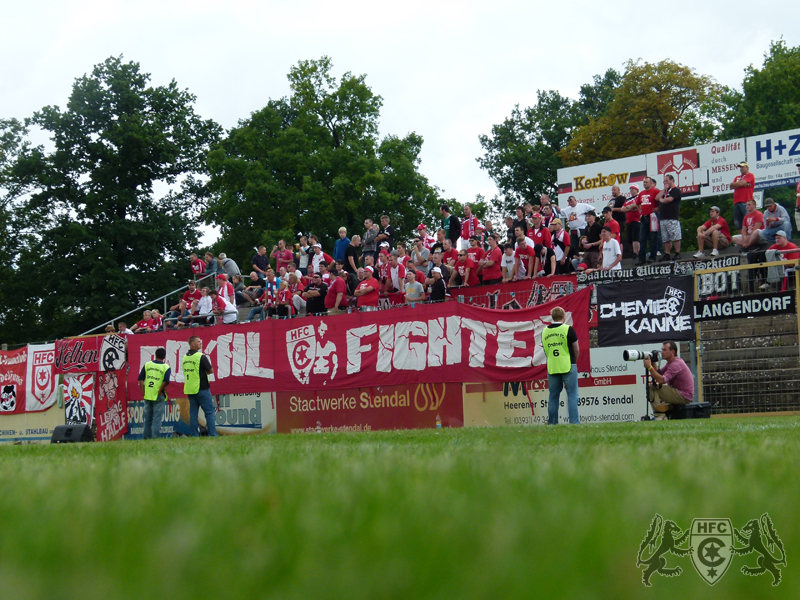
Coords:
312,162
656,107
106,242
770,96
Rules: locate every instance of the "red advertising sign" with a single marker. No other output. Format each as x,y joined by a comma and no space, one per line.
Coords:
684,166
111,409
427,343
410,406
13,365
90,354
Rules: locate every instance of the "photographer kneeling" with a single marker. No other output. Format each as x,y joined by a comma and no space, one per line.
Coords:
674,384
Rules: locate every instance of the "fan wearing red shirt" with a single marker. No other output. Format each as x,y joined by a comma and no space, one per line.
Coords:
540,234
464,271
784,245
476,253
632,218
156,322
367,291
524,257
402,257
470,225
143,326
714,231
449,253
609,221
646,200
395,275
751,224
225,289
742,186
491,272
282,255
188,302
198,266
336,298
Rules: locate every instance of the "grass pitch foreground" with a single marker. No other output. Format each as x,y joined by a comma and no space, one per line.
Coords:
467,513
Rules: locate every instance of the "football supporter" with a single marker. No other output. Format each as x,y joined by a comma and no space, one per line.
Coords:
198,266
449,254
386,233
785,247
612,251
395,275
450,224
367,291
314,294
341,244
122,328
143,326
489,266
539,233
743,186
470,226
316,258
648,227
222,309
608,219
225,289
591,246
427,240
562,248
260,262
508,263
545,261
776,218
713,232
575,214
632,218
336,298
420,255
282,255
414,290
156,320
369,244
753,221
228,265
464,273
475,252
669,200
524,257
437,286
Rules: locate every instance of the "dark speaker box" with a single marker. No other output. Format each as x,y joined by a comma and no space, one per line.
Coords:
695,410
67,434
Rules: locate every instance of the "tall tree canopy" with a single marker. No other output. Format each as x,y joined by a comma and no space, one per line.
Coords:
104,240
312,162
656,107
770,96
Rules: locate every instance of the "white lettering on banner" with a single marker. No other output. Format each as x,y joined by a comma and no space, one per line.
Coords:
670,306
444,336
385,348
477,340
253,355
506,344
664,324
408,355
354,347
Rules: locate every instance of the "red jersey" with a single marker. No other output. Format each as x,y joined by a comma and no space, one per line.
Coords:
723,229
285,299
198,266
614,228
371,298
295,288
428,241
494,271
462,266
403,259
788,255
188,296
155,323
632,216
743,194
751,220
420,277
447,255
541,236
647,201
336,288
470,227
226,290
282,258
143,324
522,255
475,254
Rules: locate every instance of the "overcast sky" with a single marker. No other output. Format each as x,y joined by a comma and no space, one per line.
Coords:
447,70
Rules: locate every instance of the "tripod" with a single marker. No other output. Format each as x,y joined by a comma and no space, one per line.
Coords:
646,416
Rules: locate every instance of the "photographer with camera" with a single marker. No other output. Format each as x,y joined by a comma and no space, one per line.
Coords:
673,384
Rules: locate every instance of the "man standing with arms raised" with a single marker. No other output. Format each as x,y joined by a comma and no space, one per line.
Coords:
153,380
196,369
560,344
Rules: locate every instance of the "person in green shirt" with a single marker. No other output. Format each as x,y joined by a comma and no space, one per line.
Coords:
560,344
196,368
153,380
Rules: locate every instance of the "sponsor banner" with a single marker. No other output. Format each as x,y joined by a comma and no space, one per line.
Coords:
172,422
41,386
111,409
79,398
353,351
699,171
13,367
613,392
409,406
750,306
630,313
772,158
673,269
31,427
516,295
90,354
592,183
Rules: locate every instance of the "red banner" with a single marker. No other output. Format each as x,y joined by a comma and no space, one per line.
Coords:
79,399
411,406
90,354
517,295
13,367
111,408
429,343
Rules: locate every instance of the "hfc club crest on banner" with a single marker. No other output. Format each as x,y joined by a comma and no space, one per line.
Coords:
311,355
43,376
711,543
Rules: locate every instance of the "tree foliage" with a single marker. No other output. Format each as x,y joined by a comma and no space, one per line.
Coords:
770,96
312,162
104,241
656,107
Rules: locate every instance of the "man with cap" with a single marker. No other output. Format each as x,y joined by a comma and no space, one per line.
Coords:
538,233
591,246
316,258
221,308
476,253
784,246
427,239
797,206
713,232
743,186
437,285
225,289
632,218
776,218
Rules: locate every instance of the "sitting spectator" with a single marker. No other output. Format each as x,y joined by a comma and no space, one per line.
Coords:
251,293
143,326
336,298
296,288
187,304
122,328
414,291
325,274
282,255
508,262
752,222
285,300
156,320
228,265
212,265
341,244
202,312
225,289
713,232
303,255
198,266
776,218
437,286
314,295
367,291
222,309
260,262
464,274
318,257
110,329
490,264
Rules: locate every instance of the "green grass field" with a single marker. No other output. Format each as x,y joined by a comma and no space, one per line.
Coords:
467,513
